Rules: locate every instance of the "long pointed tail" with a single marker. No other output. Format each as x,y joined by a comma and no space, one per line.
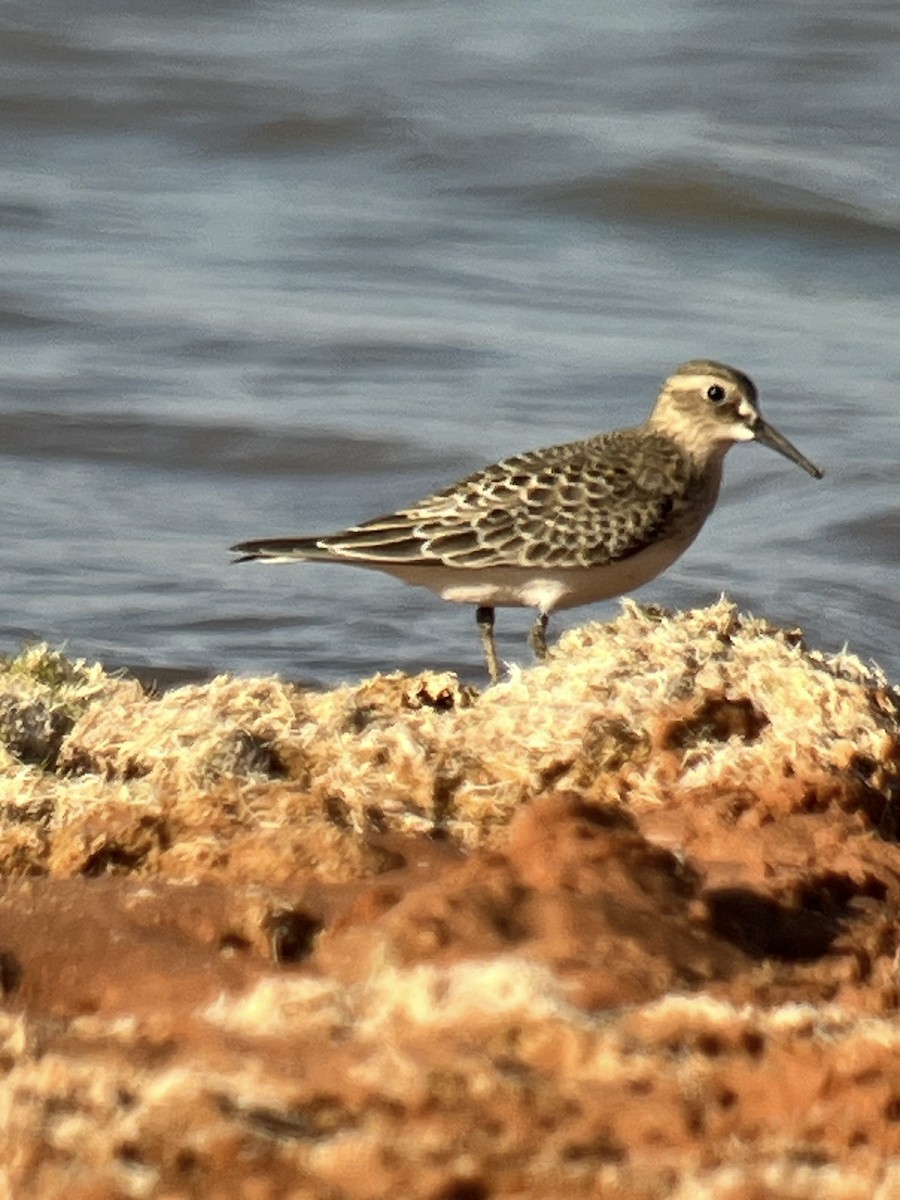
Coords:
287,549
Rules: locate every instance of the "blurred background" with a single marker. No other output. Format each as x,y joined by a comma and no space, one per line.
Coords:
274,267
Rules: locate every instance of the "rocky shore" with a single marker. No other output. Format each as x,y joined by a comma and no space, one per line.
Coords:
625,925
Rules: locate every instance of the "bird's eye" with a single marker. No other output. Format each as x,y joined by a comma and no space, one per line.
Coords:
716,393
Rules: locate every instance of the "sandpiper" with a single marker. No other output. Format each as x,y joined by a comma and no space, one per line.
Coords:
555,528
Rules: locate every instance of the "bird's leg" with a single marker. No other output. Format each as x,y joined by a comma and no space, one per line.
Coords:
537,639
484,617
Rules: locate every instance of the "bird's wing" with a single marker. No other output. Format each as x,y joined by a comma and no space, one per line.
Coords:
581,504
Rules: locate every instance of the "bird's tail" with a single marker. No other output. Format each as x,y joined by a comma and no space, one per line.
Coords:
286,549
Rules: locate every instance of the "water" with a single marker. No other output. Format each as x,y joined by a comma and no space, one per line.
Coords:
275,267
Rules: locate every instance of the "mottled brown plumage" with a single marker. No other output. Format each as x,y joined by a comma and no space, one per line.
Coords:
583,504
563,526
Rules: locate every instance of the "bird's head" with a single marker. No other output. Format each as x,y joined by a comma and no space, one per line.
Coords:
707,406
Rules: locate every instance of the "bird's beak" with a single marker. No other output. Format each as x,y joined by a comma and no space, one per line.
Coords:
763,432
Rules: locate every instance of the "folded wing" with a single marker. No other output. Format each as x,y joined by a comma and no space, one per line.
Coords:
581,504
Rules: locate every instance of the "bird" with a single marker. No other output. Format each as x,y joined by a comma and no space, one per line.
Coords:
568,525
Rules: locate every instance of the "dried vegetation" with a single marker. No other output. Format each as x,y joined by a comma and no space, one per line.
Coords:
622,925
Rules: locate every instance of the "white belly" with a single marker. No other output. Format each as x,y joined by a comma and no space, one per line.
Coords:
544,589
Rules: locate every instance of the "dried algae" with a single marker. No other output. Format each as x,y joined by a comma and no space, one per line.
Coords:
636,711
624,925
